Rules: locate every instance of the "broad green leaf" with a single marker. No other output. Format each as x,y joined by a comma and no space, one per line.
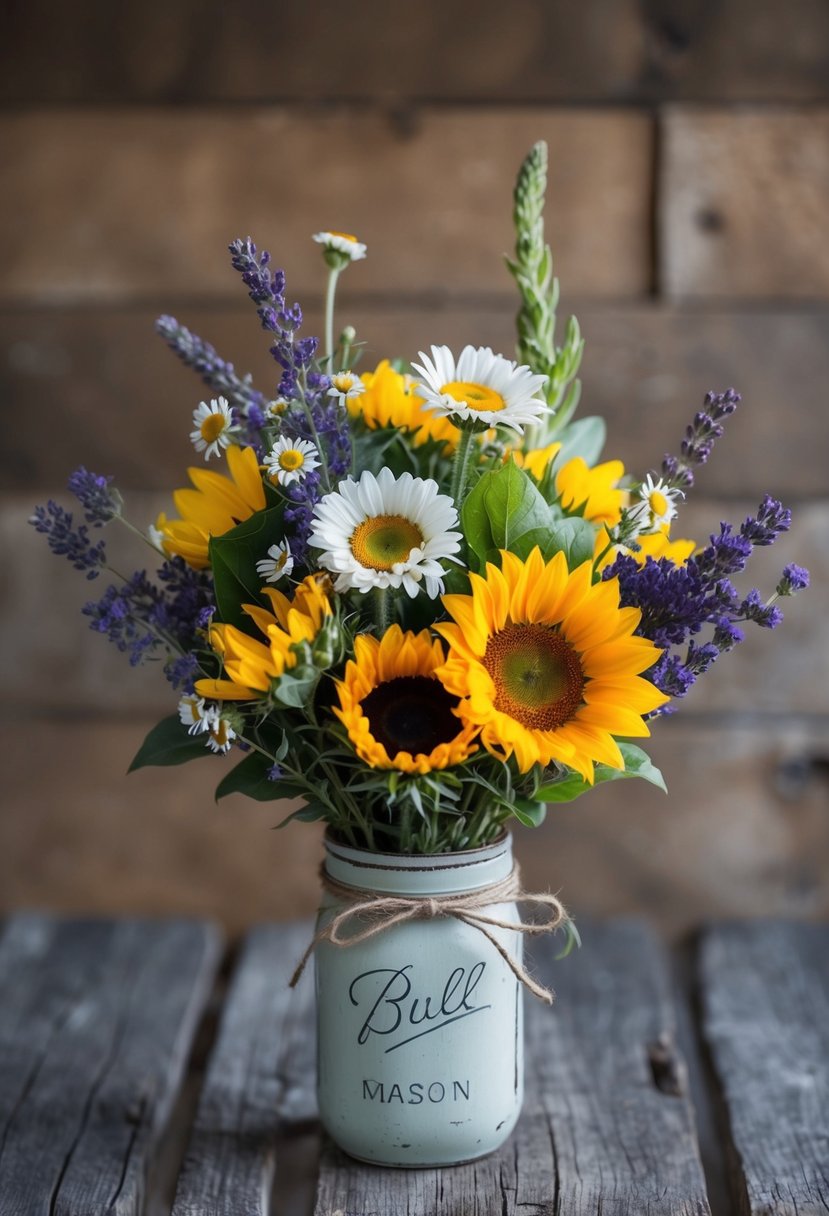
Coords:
637,764
529,812
233,558
585,438
572,536
251,778
505,511
169,743
296,688
310,813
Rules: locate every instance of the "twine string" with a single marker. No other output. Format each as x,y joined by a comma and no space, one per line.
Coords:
378,912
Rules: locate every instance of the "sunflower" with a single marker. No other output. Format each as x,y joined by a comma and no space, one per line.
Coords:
480,387
215,506
397,714
547,665
390,400
253,665
386,532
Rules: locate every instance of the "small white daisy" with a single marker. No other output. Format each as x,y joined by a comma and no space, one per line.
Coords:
341,242
291,460
278,564
481,386
213,423
276,408
156,538
221,736
194,714
386,532
346,385
657,504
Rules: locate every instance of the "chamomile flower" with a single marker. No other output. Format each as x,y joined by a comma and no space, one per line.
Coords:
343,243
276,408
213,423
291,460
346,385
657,504
221,736
155,537
194,714
278,564
481,386
386,532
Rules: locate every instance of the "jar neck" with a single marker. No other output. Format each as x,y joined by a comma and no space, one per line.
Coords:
435,874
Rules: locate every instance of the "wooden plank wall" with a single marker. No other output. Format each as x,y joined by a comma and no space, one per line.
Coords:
689,215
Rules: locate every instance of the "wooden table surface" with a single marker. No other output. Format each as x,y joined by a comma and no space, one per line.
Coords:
143,1070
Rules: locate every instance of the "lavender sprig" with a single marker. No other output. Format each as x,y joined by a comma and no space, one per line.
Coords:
68,540
101,503
700,435
249,405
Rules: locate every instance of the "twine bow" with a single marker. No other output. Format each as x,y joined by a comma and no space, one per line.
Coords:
385,911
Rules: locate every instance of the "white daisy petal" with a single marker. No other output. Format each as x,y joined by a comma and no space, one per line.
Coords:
341,242
656,506
213,426
400,536
291,460
278,564
480,386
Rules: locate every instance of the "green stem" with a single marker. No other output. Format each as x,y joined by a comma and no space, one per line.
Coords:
382,605
460,468
330,296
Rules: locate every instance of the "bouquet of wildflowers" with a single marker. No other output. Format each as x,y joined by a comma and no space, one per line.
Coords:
414,596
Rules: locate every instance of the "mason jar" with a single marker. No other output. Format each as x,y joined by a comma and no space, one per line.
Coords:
420,1026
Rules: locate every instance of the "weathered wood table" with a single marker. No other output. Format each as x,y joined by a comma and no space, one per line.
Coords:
141,1071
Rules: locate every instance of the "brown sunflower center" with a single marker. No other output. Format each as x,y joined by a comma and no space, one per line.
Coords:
384,540
537,675
411,714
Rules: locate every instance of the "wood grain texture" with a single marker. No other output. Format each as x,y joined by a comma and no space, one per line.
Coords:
129,204
542,50
122,403
765,992
744,204
260,1078
96,1023
607,1125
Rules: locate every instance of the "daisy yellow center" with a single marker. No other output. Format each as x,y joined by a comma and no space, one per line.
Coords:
344,382
212,427
411,714
380,543
537,675
657,502
346,236
291,460
220,733
475,396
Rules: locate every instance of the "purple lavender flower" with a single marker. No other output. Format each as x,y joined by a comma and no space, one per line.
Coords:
187,594
122,614
67,540
753,608
771,519
795,578
248,403
182,672
275,773
100,503
677,471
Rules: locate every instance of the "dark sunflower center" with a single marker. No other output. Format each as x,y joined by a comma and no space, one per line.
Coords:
411,714
537,675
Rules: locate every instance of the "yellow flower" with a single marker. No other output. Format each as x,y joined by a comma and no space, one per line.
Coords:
390,400
253,665
592,493
216,505
655,545
396,713
547,665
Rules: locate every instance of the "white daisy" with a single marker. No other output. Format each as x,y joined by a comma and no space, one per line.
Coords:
276,408
156,538
481,386
221,736
195,715
346,385
213,424
278,564
291,460
341,242
657,504
386,532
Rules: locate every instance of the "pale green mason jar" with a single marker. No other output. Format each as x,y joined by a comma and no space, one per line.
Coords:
420,1026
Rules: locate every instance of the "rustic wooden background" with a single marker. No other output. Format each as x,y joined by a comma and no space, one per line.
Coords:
689,214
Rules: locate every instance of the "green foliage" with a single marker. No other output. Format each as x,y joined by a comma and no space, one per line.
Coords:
532,269
233,558
571,785
506,510
168,743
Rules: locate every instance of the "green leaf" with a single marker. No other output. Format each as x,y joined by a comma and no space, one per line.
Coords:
233,558
572,536
530,813
505,511
251,779
585,438
310,813
296,688
637,764
169,743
